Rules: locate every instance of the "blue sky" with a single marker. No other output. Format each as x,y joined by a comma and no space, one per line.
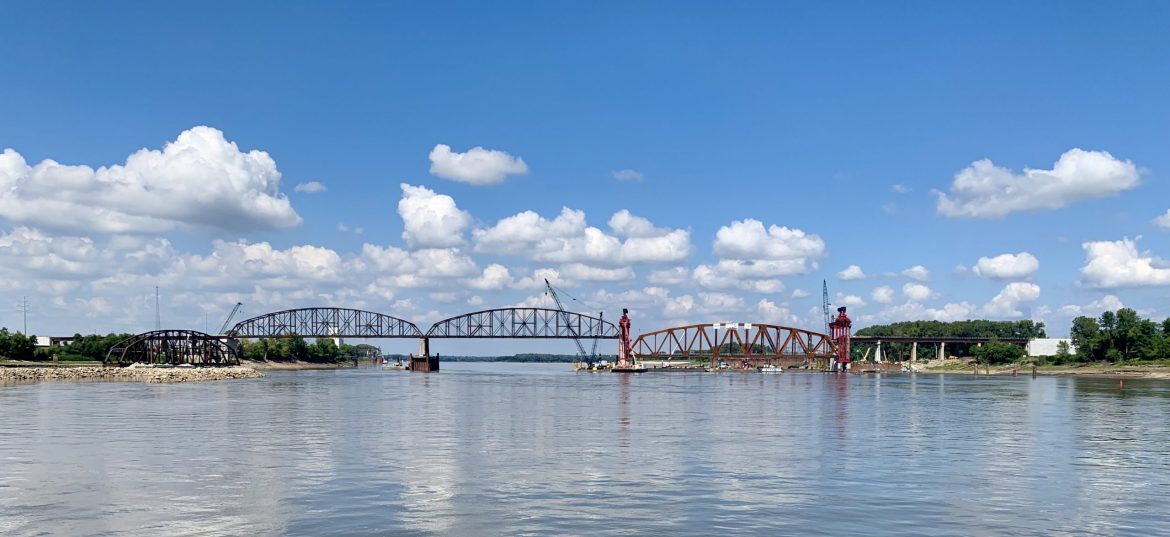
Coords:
844,121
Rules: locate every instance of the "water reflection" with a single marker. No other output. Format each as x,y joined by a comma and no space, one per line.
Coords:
495,449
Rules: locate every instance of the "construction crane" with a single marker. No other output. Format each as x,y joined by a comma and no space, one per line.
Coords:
565,317
593,354
828,315
227,322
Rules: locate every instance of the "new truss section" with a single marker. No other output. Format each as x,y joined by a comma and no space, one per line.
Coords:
750,342
521,323
325,322
173,347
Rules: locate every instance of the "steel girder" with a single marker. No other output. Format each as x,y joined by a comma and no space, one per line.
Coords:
172,347
323,323
523,323
748,341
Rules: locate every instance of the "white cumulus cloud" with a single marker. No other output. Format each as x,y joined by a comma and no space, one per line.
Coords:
627,175
478,166
984,190
1164,220
431,220
1007,266
917,272
1114,264
312,187
917,292
883,295
852,272
1008,301
1094,308
198,180
747,239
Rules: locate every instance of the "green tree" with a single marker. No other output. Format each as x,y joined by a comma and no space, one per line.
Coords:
998,352
1085,333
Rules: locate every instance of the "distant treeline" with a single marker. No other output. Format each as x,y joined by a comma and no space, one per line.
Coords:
16,346
297,349
1121,336
976,328
517,358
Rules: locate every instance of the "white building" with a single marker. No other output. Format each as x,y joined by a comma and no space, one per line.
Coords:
1048,347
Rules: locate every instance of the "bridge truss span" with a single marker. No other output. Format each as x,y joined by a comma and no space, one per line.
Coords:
749,342
173,347
325,323
523,323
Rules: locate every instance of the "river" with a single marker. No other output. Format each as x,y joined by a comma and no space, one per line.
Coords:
519,449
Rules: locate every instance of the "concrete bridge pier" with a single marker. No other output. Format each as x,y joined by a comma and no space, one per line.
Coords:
914,352
424,362
942,350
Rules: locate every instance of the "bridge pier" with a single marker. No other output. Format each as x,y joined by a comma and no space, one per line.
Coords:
942,350
424,362
914,352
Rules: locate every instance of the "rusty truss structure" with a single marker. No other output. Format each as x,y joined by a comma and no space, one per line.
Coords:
523,323
175,347
324,323
748,342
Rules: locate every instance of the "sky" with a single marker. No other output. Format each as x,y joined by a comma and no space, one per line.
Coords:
693,162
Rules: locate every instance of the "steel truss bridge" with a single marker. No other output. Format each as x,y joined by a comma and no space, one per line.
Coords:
747,342
173,347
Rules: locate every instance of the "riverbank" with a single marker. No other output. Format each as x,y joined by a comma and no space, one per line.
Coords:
289,366
130,374
1106,370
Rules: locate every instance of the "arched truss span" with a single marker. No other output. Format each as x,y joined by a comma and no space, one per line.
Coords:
172,347
325,322
746,341
523,323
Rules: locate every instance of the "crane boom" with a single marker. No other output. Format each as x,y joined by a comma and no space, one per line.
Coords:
565,317
227,322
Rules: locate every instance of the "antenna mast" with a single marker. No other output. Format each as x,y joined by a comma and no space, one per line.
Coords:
23,307
157,314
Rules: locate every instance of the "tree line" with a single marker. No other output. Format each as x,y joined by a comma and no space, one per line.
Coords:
1121,336
994,352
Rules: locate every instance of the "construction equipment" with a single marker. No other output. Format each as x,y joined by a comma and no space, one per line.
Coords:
565,317
825,302
228,322
593,353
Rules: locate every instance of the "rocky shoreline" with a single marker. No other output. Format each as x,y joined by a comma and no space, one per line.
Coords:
130,374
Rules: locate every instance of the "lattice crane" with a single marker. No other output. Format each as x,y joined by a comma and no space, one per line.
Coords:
565,317
227,322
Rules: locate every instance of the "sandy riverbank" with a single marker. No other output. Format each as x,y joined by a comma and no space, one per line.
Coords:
1105,370
289,366
130,374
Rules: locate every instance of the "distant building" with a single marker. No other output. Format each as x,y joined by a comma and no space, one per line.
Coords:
1048,346
52,341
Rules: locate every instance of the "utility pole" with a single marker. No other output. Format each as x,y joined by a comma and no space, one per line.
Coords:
23,307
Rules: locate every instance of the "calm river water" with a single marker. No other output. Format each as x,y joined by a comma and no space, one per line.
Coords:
495,449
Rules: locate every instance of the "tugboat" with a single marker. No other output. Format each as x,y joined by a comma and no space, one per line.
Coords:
625,359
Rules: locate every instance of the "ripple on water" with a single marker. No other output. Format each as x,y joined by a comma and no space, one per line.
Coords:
486,449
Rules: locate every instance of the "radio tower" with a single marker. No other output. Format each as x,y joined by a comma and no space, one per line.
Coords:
23,307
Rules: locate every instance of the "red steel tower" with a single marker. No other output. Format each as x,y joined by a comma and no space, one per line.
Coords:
839,331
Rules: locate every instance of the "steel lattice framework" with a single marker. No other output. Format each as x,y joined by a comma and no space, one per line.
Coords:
325,322
523,323
172,347
746,341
